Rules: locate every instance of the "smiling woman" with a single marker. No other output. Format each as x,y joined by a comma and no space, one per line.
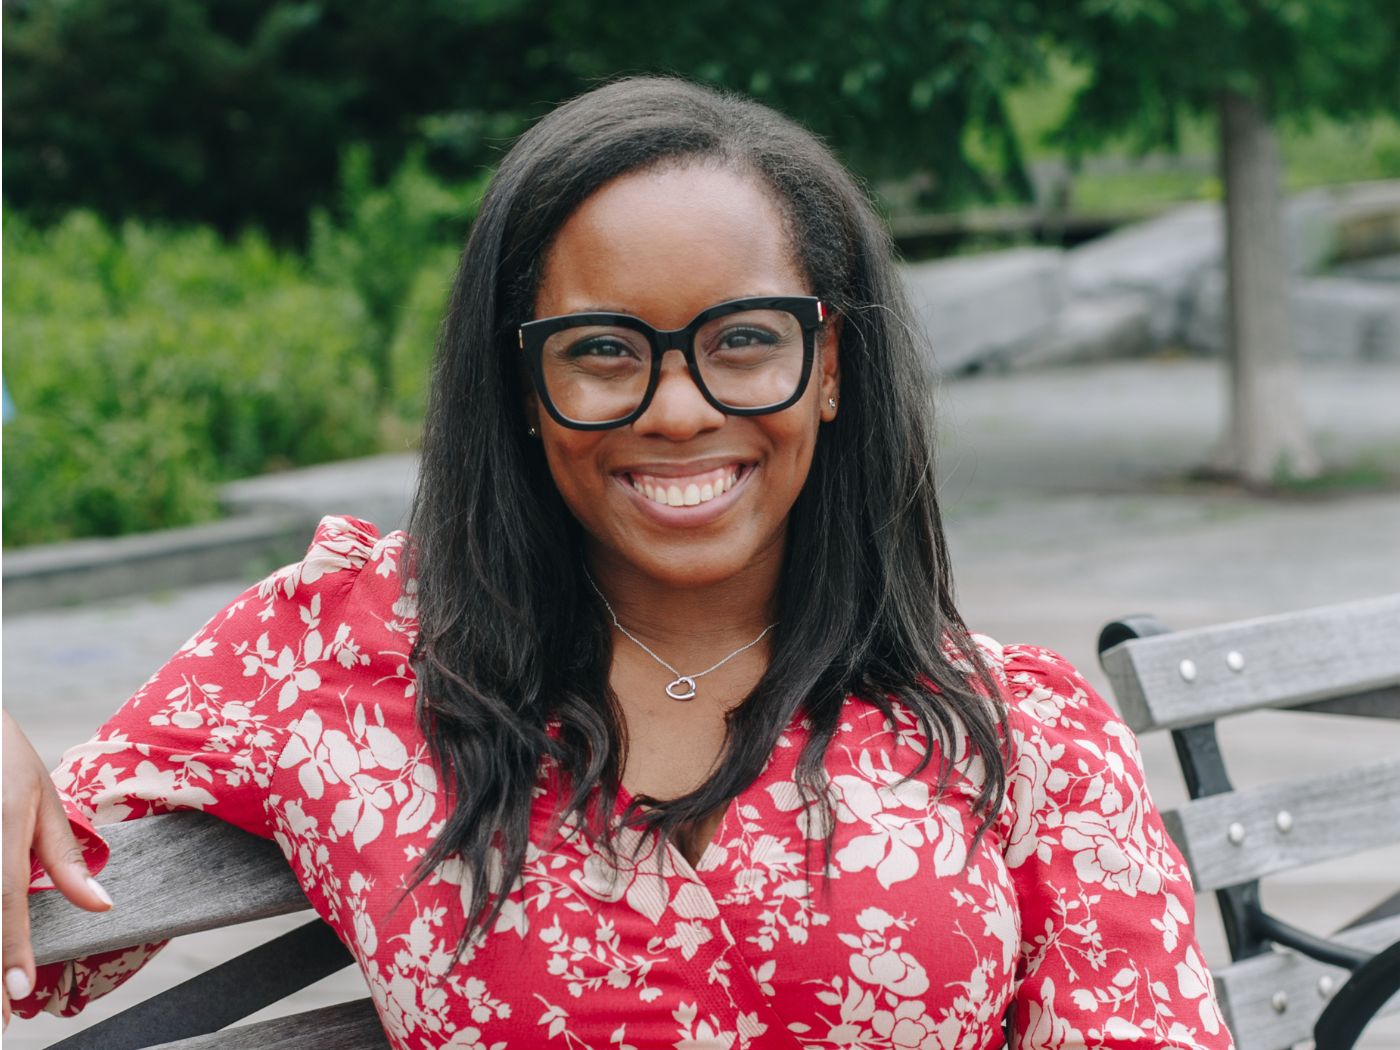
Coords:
660,727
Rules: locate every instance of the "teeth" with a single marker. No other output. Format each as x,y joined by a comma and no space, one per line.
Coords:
692,493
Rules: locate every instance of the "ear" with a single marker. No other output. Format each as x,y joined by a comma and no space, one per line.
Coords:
829,364
532,410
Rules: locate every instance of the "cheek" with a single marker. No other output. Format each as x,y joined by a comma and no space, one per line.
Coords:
795,443
571,458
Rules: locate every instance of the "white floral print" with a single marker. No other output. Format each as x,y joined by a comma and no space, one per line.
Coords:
291,714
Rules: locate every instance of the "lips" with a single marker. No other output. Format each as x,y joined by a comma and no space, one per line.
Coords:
686,490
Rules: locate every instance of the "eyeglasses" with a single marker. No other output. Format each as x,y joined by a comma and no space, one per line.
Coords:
748,357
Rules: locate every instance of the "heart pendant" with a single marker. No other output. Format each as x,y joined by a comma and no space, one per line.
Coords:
683,688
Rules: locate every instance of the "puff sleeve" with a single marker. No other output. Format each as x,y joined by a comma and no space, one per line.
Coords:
205,732
1109,957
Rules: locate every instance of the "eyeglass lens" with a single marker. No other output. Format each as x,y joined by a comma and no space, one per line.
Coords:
750,359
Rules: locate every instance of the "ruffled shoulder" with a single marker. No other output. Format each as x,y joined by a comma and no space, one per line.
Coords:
1073,762
1042,690
341,545
1106,900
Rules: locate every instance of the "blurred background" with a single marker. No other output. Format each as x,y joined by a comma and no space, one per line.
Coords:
1155,247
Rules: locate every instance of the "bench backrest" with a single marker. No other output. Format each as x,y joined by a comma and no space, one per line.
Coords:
184,873
1343,659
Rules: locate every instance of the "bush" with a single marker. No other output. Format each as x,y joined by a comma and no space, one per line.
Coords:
416,333
381,240
149,365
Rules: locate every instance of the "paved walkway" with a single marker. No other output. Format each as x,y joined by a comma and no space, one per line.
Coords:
1063,513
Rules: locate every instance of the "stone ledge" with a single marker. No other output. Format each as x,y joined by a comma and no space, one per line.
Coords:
58,574
271,519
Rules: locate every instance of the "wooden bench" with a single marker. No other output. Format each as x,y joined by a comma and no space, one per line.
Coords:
184,873
1283,982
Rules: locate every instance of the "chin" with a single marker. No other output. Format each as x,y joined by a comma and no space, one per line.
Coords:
686,562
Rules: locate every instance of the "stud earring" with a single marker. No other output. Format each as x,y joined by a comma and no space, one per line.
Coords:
831,402
532,432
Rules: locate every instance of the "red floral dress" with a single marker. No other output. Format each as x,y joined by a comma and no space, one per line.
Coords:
291,714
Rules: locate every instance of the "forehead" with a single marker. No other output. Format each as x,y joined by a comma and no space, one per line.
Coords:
665,244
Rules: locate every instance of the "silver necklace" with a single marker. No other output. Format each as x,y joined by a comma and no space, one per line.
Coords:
683,686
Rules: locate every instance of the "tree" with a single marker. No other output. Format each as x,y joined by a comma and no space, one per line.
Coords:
1248,63
236,112
897,88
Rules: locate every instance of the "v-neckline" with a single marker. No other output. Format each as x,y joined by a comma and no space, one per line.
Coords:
712,855
712,845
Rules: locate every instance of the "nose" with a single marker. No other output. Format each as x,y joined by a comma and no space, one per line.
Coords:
678,410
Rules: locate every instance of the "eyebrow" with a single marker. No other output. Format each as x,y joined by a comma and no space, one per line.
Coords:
599,308
613,308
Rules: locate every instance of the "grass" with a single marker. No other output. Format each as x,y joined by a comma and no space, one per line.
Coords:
1365,474
1316,152
1368,474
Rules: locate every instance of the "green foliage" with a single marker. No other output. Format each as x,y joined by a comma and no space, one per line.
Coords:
415,338
1152,64
380,239
148,365
234,112
897,88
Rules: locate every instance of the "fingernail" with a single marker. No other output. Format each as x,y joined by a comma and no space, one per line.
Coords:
17,983
102,894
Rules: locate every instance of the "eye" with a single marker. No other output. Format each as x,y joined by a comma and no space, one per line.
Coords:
601,346
743,338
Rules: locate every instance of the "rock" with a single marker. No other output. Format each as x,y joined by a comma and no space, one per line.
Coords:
1366,217
1335,318
1341,317
1091,329
1381,268
974,308
1160,259
1310,230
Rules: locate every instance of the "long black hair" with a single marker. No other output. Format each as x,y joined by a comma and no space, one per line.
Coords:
512,638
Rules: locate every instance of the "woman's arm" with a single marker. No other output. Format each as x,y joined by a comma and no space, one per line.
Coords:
205,733
35,822
1109,956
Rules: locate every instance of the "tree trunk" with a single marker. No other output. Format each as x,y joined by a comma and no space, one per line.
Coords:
1266,438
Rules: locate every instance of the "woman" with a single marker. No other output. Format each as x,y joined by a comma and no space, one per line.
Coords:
664,729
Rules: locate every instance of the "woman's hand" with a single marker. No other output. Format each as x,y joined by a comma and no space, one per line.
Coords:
34,819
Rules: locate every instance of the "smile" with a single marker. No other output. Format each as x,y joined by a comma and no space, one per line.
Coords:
689,490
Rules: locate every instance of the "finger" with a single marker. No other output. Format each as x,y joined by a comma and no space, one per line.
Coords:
18,958
18,984
62,857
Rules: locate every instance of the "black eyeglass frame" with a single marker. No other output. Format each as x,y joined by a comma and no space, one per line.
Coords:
810,311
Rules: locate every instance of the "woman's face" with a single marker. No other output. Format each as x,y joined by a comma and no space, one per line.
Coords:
663,246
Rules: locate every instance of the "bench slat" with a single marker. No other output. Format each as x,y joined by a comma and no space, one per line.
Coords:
1287,660
345,1026
169,875
1248,988
1334,815
1375,703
